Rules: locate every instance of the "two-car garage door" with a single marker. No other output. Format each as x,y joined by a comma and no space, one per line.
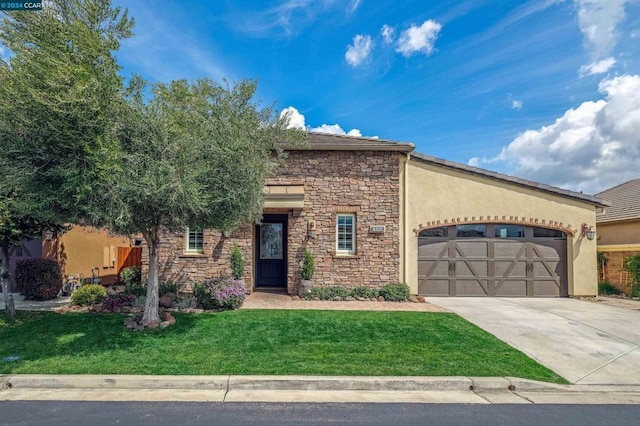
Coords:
492,260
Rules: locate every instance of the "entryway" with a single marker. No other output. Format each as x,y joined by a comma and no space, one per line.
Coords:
271,251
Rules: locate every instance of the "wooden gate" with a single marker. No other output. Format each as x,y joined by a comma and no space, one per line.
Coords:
128,256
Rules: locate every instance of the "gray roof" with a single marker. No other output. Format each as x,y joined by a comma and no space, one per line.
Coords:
328,142
510,179
625,202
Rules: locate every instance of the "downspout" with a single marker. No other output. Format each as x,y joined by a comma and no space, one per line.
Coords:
405,184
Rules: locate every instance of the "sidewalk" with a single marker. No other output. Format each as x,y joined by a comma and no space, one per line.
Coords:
31,305
466,390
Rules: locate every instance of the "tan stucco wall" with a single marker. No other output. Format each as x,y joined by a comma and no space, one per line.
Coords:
82,248
438,193
618,233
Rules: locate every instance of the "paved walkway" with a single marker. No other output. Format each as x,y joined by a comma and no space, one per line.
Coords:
30,305
272,300
585,342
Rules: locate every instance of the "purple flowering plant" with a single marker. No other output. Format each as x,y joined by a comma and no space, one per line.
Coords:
220,293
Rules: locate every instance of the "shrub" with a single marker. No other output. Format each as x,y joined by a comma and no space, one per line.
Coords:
366,292
308,266
237,262
169,287
90,294
327,293
632,265
38,279
186,302
396,292
131,277
607,288
219,293
118,301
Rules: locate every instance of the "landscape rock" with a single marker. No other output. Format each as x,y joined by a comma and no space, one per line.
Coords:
296,298
165,324
125,309
361,299
316,298
349,299
421,299
380,298
413,299
337,299
167,300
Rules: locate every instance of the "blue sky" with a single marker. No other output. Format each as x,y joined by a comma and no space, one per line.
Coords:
544,89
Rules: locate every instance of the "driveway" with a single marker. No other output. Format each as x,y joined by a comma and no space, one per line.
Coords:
584,342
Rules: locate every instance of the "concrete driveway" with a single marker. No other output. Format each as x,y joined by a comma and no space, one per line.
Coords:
584,342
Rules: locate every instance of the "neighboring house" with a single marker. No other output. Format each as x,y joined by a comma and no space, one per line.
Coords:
26,250
83,251
374,212
619,230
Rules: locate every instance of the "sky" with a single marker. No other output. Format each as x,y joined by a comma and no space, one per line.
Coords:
547,90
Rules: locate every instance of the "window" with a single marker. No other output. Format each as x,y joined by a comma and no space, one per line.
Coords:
471,231
442,231
547,233
346,234
195,241
509,231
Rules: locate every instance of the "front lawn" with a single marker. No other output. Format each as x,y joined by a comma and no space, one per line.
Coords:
263,342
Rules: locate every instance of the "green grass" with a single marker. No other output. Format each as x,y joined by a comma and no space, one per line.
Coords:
263,342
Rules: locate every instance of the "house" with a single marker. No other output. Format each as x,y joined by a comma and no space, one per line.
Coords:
82,251
374,212
619,231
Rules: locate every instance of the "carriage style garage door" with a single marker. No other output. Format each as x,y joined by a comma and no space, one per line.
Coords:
492,260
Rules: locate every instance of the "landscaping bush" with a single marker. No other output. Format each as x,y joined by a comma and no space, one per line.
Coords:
169,287
186,302
366,292
38,279
131,277
237,262
118,301
328,293
219,293
397,292
632,265
308,266
87,295
607,288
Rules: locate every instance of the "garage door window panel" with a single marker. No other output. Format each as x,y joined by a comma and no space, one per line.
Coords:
508,231
471,231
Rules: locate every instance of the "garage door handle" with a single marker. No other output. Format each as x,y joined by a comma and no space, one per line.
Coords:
529,266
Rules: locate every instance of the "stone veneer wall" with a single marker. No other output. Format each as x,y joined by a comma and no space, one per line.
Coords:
362,182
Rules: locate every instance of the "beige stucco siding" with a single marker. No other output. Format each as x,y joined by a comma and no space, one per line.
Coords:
436,193
619,233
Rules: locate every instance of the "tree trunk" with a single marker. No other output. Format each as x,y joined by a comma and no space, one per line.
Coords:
150,316
9,306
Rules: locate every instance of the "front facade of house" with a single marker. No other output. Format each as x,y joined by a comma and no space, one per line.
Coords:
619,232
373,212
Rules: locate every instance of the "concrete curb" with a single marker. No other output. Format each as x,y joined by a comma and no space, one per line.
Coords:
296,383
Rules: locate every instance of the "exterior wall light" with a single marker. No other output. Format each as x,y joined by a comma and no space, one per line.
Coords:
48,235
311,229
587,231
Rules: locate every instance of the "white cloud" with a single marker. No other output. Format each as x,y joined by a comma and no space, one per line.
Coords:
589,148
387,33
599,67
419,39
297,121
598,21
516,104
359,53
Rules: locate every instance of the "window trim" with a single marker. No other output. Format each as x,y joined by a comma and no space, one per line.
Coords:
343,252
186,245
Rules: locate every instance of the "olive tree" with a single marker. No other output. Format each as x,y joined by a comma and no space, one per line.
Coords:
195,154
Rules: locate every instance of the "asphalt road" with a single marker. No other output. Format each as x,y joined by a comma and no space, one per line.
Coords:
178,413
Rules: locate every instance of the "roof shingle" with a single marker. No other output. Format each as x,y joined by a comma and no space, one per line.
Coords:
625,202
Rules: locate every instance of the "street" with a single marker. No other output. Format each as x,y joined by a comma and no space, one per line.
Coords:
180,413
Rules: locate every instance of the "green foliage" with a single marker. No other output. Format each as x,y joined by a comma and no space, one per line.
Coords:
237,262
632,265
327,293
88,295
602,259
64,72
219,293
38,279
185,301
606,288
308,266
366,292
169,287
396,292
131,277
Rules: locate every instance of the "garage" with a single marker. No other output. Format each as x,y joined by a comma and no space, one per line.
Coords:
490,259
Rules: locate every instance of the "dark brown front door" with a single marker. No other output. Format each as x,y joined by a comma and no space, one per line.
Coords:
492,260
271,251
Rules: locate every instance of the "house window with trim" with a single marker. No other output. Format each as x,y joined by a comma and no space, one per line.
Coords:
195,241
346,233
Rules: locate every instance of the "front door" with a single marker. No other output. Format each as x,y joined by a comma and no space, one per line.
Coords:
271,251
